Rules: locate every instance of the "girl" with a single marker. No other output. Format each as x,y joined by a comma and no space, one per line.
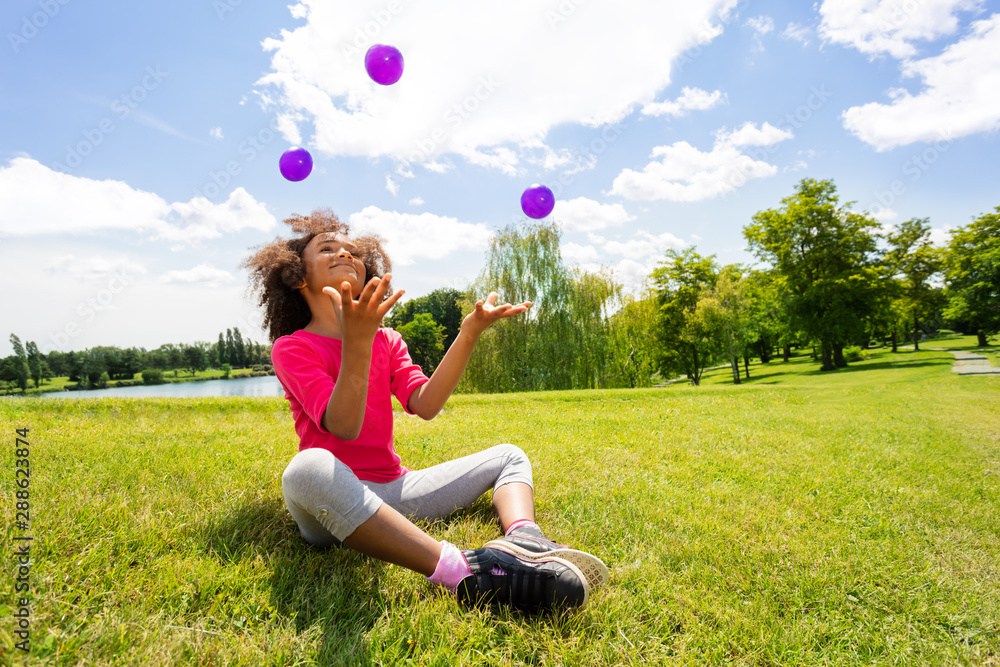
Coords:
325,294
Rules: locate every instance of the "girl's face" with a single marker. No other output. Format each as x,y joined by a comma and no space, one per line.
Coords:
330,259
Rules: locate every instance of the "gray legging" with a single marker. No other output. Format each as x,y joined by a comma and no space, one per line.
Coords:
328,501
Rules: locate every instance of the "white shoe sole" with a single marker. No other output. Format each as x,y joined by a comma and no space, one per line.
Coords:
593,568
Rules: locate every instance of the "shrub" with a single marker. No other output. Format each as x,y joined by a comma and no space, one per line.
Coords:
152,376
855,353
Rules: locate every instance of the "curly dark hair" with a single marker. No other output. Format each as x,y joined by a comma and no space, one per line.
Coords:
276,269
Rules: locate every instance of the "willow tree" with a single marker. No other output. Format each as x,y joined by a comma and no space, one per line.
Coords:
561,342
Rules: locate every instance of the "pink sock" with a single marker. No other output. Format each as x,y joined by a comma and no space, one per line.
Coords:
451,568
521,523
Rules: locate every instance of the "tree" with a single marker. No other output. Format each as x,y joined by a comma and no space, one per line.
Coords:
240,355
196,358
973,273
915,262
231,356
58,362
826,257
443,305
633,350
425,340
20,363
34,363
685,341
221,350
725,310
558,343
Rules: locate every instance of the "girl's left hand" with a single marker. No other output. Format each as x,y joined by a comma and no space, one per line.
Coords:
487,312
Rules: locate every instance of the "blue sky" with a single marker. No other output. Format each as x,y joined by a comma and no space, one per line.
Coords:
140,142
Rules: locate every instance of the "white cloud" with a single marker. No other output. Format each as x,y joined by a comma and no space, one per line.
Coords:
644,245
961,95
695,237
940,236
750,135
203,274
585,215
889,26
411,237
684,173
690,99
391,185
437,166
798,33
200,219
215,133
456,96
882,213
639,256
92,268
574,253
38,200
416,201
761,24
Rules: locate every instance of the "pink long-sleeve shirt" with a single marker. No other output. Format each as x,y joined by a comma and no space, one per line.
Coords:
308,366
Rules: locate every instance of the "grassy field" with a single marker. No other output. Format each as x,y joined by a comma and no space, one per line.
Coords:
801,518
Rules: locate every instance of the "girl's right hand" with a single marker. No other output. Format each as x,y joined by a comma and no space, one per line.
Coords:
362,318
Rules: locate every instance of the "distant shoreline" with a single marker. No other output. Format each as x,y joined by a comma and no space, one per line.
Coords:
115,384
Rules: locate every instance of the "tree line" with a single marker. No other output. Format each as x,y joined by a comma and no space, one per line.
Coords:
833,281
98,366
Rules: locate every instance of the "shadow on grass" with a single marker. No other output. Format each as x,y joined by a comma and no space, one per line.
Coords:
765,377
862,366
335,588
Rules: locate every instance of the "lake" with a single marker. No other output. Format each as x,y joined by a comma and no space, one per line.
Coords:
264,385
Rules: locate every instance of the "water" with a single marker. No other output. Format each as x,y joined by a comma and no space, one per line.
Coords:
265,385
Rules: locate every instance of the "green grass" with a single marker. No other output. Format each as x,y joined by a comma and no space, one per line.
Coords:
802,518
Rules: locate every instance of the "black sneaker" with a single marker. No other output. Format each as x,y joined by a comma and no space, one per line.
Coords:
540,584
531,544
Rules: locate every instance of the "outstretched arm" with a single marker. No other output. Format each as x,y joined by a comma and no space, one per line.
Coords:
428,399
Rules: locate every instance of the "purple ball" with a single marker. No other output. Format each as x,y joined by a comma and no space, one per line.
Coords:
537,201
295,164
384,64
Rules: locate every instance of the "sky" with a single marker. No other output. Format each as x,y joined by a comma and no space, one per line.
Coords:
140,141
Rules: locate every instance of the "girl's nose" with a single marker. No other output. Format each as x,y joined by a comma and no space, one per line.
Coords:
344,252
